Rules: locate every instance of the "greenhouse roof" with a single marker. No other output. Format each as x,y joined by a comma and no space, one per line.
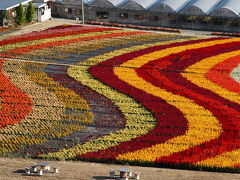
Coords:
117,2
176,5
146,4
206,6
231,5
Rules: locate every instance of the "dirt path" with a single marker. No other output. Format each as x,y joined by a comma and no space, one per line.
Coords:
12,169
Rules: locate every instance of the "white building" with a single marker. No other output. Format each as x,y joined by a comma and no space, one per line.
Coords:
8,8
42,10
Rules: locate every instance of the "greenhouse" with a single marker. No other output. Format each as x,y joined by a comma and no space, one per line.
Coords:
220,15
227,8
200,7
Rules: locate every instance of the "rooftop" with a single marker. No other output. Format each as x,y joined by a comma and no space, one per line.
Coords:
9,4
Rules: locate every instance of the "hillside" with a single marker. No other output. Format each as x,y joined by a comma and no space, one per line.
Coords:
107,94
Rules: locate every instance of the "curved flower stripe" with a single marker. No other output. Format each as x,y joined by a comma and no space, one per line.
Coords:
194,132
18,135
87,37
164,129
230,128
207,84
156,55
81,74
206,130
157,151
52,35
162,132
220,74
49,39
228,159
158,79
213,87
121,58
15,104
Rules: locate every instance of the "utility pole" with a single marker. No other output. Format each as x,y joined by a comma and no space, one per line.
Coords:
83,12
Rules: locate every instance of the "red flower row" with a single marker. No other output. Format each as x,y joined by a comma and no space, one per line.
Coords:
15,104
226,34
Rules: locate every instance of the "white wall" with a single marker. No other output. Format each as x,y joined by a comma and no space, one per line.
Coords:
46,16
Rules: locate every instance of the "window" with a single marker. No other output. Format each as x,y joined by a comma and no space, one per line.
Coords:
102,15
138,17
68,10
123,15
153,18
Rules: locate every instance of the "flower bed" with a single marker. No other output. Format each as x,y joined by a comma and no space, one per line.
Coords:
113,95
225,34
149,28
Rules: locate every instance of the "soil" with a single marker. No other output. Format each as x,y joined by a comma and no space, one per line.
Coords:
14,169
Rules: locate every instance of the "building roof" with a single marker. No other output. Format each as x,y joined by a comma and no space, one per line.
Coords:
233,6
114,2
200,7
174,5
131,4
39,5
145,4
9,4
206,6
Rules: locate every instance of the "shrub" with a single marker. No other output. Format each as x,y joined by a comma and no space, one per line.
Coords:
21,17
30,13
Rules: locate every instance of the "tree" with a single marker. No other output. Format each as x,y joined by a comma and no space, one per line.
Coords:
21,17
30,13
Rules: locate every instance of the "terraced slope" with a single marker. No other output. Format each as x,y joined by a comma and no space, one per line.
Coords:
114,95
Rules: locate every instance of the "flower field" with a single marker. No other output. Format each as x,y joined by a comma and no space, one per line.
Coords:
114,95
